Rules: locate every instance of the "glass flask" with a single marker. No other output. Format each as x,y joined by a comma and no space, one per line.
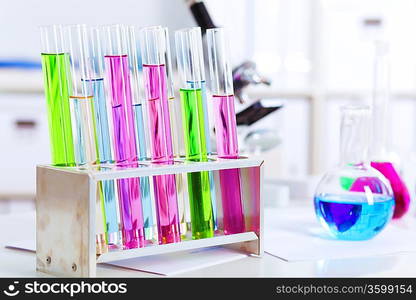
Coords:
354,201
379,154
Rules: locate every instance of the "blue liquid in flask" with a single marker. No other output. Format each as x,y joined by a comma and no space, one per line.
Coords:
354,217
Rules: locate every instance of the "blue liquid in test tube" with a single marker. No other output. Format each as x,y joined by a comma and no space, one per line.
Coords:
144,181
104,153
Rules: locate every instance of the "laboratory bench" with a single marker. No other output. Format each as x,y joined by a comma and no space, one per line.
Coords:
17,263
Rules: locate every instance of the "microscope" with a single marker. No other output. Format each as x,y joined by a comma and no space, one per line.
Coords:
253,141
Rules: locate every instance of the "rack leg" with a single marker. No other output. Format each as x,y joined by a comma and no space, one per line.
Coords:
65,242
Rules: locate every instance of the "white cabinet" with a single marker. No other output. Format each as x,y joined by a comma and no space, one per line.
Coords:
24,142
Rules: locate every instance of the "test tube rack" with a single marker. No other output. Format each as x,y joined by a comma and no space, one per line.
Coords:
66,214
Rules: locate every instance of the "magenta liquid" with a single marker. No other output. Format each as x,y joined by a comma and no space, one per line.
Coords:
162,152
400,192
125,152
227,147
361,183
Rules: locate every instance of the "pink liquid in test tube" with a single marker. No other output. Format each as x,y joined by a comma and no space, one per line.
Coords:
161,147
227,147
125,151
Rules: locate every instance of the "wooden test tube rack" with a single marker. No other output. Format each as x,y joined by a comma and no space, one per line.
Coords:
66,214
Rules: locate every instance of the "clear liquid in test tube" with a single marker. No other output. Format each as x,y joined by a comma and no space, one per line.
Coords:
178,142
83,118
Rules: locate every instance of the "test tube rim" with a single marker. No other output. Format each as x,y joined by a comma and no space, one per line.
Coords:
121,40
160,32
213,62
80,33
189,62
58,38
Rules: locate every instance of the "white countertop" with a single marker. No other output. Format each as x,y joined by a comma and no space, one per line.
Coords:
14,263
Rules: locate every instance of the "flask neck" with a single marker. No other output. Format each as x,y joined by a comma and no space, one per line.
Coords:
381,97
355,135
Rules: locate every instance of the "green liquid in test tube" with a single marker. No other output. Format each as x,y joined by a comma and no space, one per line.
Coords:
197,41
198,182
193,119
202,83
55,68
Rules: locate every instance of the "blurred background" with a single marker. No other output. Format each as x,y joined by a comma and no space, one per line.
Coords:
317,54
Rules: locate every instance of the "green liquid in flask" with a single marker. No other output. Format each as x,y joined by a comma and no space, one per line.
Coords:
57,85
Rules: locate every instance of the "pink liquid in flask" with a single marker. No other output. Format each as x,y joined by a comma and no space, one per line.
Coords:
400,192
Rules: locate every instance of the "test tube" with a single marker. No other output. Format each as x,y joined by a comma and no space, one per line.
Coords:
207,124
55,66
226,129
196,33
81,96
83,117
96,79
154,50
140,132
117,77
193,116
178,144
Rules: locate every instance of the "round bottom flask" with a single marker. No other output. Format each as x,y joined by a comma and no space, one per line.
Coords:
354,201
